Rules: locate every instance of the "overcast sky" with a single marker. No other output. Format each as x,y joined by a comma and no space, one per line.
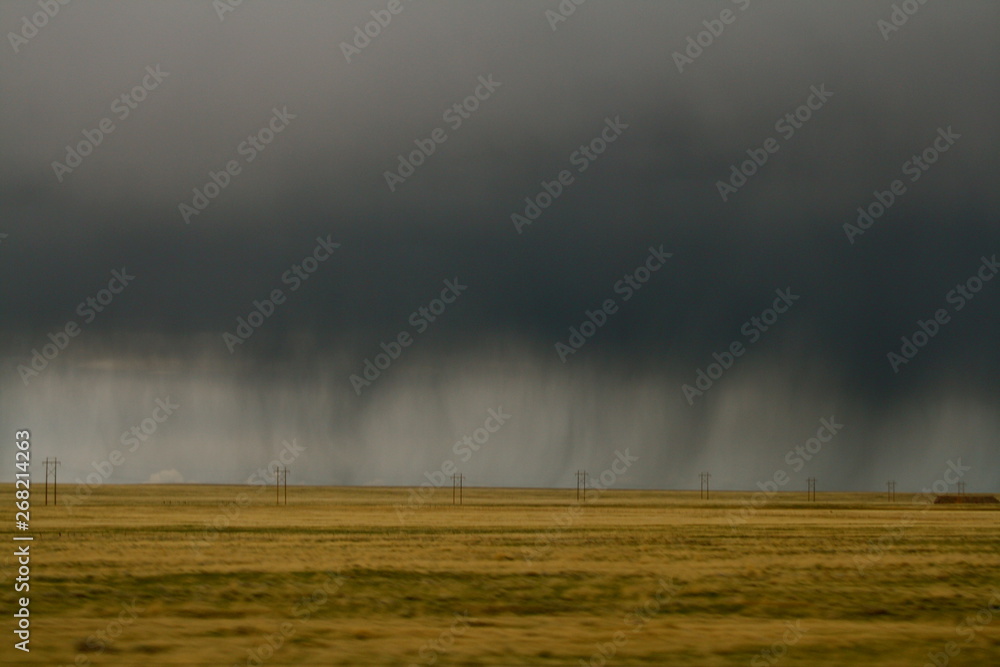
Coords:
313,118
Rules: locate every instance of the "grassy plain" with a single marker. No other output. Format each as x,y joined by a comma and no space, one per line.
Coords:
136,575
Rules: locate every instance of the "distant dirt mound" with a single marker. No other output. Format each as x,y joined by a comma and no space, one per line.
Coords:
981,499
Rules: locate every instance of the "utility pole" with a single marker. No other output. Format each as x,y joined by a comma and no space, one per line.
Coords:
811,489
703,491
961,488
891,490
277,485
286,484
55,486
456,485
581,484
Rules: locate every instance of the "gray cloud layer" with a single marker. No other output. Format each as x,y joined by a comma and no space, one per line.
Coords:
324,175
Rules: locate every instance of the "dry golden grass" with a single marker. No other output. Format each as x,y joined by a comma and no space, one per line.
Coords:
533,578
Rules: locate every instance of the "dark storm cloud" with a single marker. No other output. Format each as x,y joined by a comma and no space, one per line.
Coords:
656,184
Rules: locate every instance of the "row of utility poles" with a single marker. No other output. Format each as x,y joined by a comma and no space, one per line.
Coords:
280,475
811,488
457,483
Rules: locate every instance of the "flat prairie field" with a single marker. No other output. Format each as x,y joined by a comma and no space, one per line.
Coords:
221,575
